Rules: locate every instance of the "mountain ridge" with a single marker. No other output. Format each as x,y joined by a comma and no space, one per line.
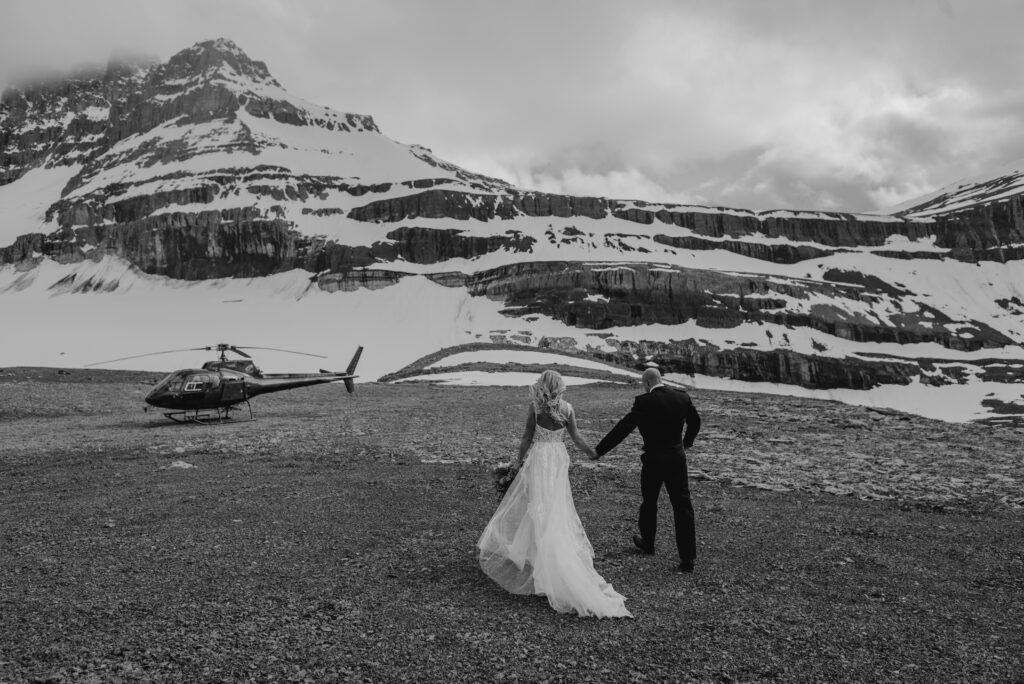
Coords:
204,168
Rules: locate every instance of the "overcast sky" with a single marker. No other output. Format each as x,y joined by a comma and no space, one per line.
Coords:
804,104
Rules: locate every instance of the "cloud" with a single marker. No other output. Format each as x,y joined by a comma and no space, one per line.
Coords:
753,104
847,112
615,184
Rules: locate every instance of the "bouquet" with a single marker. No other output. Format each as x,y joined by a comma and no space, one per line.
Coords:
504,474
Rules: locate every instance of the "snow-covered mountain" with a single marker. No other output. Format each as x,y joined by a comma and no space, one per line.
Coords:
994,185
165,206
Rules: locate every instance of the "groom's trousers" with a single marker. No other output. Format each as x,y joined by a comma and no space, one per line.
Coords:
668,467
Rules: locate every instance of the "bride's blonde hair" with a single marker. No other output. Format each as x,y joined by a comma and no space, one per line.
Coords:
547,395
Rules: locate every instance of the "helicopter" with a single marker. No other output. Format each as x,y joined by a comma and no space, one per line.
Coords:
209,394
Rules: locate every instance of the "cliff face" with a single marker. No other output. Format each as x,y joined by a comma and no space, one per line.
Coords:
123,226
992,232
603,297
599,297
204,167
59,122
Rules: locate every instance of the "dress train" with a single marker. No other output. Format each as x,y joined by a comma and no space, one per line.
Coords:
535,542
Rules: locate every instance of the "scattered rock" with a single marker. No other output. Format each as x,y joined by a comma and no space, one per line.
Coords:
181,464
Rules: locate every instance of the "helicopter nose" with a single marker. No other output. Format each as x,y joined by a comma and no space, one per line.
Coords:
155,398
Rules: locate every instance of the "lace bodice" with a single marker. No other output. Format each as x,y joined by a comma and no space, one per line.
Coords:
543,434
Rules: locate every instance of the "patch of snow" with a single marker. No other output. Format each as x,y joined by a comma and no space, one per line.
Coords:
902,243
525,356
96,113
951,403
681,208
24,202
318,151
144,313
342,230
499,379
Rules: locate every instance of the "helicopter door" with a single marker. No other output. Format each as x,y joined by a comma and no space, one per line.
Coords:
232,389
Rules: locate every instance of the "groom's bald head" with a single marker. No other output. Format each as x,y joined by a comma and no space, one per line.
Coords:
651,377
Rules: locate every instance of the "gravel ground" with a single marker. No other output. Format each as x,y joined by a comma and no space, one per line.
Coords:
333,540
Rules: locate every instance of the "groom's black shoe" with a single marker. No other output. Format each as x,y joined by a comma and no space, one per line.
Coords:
685,567
647,549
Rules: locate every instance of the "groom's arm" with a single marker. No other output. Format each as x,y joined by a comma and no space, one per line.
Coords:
617,433
692,426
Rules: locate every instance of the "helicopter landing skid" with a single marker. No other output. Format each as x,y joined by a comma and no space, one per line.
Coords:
208,416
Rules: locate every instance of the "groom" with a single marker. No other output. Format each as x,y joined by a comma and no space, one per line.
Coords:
660,414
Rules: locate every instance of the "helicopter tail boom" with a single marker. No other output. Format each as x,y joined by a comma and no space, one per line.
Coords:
350,385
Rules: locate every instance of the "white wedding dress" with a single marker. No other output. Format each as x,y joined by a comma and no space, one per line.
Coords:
535,543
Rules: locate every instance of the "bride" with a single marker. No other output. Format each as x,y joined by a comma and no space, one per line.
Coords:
535,543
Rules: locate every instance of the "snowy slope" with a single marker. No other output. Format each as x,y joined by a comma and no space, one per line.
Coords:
990,186
23,204
122,312
118,311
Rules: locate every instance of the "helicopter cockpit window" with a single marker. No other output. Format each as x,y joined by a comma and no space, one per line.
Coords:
195,383
172,383
199,383
165,383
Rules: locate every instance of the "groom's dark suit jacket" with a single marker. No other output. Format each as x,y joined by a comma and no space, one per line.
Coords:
660,414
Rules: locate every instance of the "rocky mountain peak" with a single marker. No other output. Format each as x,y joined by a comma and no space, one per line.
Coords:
207,82
221,57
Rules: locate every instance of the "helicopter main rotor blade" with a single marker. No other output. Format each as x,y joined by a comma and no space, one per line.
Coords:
239,352
287,351
139,356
